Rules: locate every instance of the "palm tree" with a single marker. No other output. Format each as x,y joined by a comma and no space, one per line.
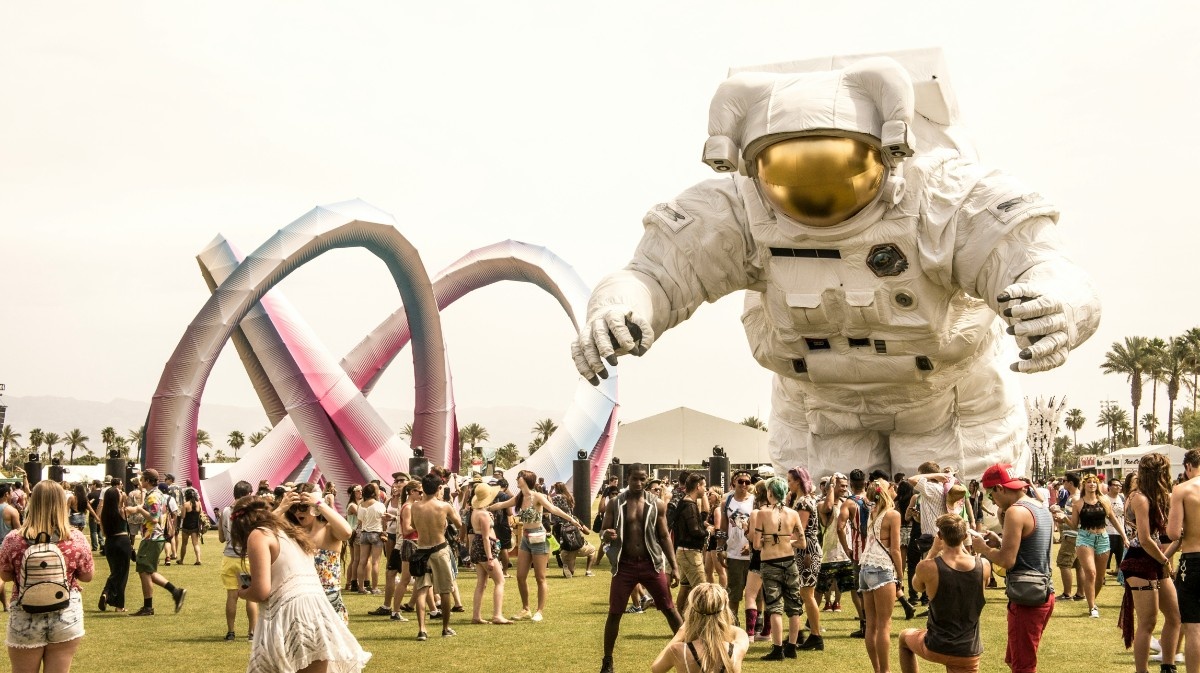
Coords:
544,428
406,431
1149,423
1111,418
236,441
1097,446
202,438
507,456
50,439
121,445
135,436
8,437
1154,371
109,436
534,445
1130,359
1192,336
36,437
1074,422
256,437
1062,446
471,435
75,439
754,422
1174,366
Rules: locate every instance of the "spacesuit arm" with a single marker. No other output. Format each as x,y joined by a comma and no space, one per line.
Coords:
1049,302
694,249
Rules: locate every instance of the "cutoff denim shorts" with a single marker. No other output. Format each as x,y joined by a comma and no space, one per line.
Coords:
535,549
1097,541
27,630
871,578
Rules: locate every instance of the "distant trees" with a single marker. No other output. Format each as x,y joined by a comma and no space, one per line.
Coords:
754,422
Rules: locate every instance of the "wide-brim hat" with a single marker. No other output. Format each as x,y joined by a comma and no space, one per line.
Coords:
484,495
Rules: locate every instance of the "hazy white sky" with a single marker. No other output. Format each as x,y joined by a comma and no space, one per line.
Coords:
132,133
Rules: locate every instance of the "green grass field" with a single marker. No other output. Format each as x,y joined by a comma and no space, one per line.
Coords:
570,638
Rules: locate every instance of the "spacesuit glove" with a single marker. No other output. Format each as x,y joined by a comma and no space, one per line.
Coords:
1043,323
610,330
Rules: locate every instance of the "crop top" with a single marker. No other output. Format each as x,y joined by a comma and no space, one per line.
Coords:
1091,516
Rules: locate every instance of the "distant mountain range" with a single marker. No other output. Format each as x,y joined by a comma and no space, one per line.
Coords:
62,414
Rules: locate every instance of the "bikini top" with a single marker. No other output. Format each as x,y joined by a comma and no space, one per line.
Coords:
696,655
529,515
776,534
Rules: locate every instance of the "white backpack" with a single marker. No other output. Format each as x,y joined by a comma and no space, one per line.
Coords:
43,577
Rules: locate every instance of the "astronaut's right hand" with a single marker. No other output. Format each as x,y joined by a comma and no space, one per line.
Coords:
609,331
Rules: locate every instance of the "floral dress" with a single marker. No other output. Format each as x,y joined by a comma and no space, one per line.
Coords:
329,571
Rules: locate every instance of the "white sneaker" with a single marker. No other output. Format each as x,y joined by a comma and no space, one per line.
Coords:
1155,645
1094,613
537,616
1157,656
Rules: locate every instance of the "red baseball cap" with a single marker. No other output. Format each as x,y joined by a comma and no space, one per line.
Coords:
1003,474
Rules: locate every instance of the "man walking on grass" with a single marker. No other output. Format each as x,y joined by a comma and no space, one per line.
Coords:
1183,524
233,565
432,565
151,547
640,553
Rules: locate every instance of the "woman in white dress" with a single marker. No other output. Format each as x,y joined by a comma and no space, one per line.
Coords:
298,630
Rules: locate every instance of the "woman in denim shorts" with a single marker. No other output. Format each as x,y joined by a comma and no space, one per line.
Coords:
877,579
534,551
45,639
1090,511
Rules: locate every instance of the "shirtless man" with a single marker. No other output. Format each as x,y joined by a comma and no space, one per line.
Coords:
1183,524
432,563
640,553
852,536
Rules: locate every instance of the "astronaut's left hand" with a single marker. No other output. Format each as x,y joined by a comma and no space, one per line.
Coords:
1042,323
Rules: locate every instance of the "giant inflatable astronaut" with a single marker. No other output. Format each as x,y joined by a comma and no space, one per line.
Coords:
881,264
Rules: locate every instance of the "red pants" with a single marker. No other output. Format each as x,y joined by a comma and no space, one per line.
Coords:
630,573
1025,626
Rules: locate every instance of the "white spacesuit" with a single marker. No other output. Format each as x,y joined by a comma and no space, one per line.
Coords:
876,254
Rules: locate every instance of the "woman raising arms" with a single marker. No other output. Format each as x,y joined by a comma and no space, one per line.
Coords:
530,504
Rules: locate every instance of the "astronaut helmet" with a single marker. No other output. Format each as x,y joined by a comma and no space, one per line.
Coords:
824,148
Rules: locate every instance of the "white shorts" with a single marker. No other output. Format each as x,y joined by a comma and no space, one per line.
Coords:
26,630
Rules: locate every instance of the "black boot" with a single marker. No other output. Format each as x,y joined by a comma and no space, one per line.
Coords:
862,630
789,650
814,642
909,610
606,665
776,654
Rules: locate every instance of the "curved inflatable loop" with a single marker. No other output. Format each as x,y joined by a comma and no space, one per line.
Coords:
589,424
171,430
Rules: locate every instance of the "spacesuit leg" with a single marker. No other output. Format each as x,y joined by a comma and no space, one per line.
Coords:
979,422
792,442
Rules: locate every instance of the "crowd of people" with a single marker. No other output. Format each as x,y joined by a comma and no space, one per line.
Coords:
761,561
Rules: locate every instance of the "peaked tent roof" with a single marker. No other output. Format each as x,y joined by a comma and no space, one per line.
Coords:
686,436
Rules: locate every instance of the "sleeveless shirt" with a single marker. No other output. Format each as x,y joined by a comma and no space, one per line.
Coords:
954,611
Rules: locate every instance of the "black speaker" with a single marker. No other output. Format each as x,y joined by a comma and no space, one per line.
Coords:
114,465
33,469
718,472
57,473
418,467
581,488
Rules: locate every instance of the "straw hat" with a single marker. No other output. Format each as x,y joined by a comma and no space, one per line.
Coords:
484,495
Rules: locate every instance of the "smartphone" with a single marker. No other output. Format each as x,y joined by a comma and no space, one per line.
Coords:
244,580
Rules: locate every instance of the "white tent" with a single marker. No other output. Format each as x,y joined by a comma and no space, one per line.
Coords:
1124,461
685,437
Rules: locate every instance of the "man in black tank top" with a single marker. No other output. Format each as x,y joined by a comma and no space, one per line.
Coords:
954,581
1025,545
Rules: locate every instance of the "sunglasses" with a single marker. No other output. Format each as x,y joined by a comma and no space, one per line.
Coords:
299,509
743,482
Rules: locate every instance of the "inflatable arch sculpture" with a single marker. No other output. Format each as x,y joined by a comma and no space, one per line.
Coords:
318,406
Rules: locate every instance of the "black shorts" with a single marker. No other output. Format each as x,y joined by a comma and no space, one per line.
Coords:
395,559
504,535
1187,585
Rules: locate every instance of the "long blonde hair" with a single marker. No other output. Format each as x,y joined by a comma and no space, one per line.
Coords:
707,619
880,493
46,512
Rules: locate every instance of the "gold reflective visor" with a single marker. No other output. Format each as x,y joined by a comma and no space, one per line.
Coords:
820,181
